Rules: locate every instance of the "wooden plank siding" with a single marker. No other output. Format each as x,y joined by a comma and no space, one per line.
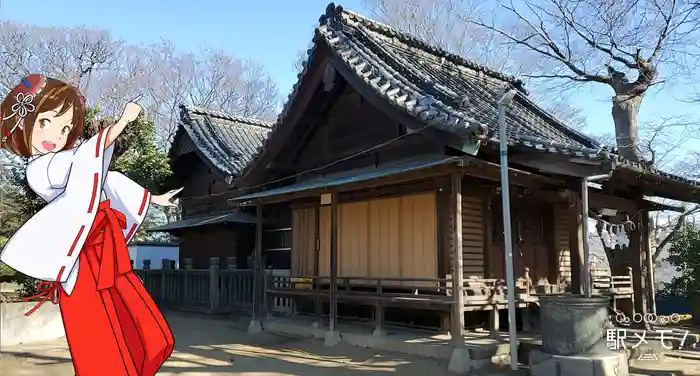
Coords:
473,236
303,241
562,225
391,238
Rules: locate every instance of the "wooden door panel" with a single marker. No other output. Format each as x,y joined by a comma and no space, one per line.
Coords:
530,249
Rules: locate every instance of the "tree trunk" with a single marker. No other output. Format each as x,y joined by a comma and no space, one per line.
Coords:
625,108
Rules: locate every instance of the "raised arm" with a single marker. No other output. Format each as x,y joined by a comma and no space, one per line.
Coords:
130,113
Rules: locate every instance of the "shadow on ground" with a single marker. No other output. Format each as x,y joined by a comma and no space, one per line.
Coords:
219,345
206,345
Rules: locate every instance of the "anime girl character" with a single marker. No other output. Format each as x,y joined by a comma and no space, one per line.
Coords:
76,244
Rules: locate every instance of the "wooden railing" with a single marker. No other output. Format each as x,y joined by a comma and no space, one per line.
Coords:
485,293
217,290
380,293
618,287
213,290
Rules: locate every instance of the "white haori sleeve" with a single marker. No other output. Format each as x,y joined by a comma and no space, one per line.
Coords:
129,198
49,243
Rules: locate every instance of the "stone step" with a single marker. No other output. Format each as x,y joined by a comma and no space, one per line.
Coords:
611,364
500,370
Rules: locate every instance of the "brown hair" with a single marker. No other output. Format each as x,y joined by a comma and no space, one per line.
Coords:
55,95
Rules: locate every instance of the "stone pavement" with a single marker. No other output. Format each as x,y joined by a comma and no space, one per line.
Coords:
207,346
221,347
665,367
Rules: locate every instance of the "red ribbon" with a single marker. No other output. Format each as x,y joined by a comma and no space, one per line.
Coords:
46,291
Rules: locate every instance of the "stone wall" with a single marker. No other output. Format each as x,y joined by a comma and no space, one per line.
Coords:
45,324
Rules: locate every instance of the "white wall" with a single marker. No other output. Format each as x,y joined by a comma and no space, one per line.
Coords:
155,253
44,324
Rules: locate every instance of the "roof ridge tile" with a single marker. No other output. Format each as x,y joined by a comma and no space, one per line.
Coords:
225,116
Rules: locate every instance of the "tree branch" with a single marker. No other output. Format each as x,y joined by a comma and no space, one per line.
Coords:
556,53
564,76
677,227
663,34
569,20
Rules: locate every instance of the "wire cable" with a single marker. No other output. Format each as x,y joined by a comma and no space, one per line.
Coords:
315,169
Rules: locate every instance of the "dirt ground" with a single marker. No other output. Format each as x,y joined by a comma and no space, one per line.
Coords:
221,347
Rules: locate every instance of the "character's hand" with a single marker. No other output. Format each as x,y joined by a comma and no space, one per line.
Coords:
131,110
164,199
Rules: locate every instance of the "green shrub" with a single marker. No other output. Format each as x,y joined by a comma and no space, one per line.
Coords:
684,255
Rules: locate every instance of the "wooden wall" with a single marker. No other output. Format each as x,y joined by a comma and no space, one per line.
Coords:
304,243
353,125
389,237
398,238
536,234
201,243
196,178
473,236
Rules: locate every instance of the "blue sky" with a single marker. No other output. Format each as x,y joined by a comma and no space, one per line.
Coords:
268,31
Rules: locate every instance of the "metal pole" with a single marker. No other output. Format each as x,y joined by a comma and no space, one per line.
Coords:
507,234
584,218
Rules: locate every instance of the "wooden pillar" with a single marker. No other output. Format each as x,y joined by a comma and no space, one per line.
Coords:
186,280
576,239
457,330
165,266
258,266
651,278
333,292
638,247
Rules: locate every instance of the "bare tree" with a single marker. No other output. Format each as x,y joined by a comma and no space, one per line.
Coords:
300,60
436,22
109,71
621,44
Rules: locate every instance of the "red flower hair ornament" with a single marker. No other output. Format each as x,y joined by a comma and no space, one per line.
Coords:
24,95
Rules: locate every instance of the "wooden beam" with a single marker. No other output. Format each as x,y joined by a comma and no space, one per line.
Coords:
576,239
334,263
457,330
649,263
491,171
391,179
601,199
556,165
638,245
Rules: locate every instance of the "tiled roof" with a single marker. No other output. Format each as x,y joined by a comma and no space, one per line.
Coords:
444,90
554,147
441,89
228,142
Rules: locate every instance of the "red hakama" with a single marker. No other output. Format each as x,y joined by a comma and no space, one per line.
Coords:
112,325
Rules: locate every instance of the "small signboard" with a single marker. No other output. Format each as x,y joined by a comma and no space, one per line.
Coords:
302,283
326,199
